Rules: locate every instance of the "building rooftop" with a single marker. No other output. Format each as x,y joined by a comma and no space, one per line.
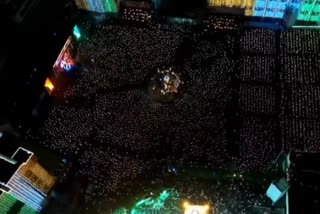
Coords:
9,166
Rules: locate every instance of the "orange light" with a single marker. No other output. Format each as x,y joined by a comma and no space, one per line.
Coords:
48,85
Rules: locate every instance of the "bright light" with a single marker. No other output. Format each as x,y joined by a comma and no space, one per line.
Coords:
48,85
9,160
76,32
309,11
186,204
196,209
206,207
306,27
65,61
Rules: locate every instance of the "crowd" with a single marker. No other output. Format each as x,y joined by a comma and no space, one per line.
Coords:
123,60
136,14
257,99
258,41
119,134
294,64
300,42
116,130
257,69
223,23
300,71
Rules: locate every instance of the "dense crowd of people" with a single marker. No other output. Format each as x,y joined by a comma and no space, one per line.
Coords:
136,14
126,51
223,23
294,64
257,69
300,73
300,42
117,130
259,41
118,133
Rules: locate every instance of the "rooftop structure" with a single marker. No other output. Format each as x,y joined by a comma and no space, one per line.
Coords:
100,6
307,10
24,180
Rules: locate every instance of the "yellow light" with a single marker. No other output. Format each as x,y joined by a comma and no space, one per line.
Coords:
186,204
200,209
48,85
248,5
206,207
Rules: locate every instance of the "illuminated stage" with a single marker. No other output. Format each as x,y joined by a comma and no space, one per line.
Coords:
195,209
165,85
167,201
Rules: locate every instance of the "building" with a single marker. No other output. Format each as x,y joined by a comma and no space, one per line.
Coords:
246,6
9,204
66,62
24,183
290,17
307,10
277,190
100,6
300,10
